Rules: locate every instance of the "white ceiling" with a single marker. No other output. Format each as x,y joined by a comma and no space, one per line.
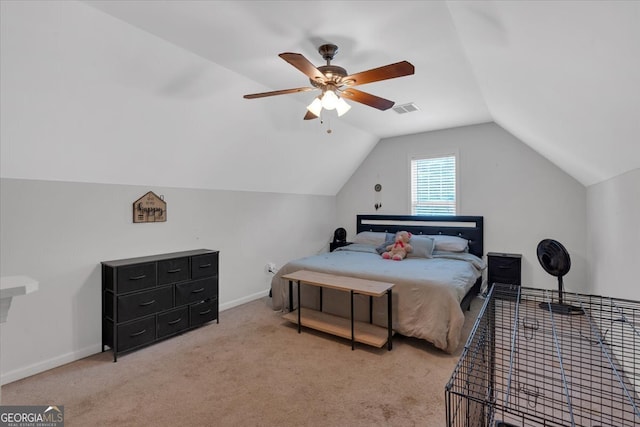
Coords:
246,38
563,76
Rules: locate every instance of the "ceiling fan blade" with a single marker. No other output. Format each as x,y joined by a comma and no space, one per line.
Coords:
367,99
391,71
310,116
278,92
303,64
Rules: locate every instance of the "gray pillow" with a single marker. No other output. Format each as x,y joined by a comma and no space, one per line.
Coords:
422,247
450,243
372,238
389,240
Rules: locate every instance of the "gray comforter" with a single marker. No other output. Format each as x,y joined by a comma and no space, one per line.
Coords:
426,296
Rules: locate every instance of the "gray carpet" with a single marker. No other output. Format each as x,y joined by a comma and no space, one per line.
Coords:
252,369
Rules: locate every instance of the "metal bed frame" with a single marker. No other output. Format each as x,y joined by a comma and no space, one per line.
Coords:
524,365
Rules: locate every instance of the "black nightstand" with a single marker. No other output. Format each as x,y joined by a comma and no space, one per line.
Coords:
504,268
334,245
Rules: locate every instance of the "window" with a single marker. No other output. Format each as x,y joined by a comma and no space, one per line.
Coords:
433,185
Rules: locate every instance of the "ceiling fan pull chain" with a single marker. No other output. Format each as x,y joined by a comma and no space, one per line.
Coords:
328,123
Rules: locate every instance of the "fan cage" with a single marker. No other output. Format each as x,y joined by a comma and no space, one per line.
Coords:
524,365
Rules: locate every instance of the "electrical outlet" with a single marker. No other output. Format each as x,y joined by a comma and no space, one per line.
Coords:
271,267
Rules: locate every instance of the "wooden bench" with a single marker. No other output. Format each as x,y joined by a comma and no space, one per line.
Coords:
356,331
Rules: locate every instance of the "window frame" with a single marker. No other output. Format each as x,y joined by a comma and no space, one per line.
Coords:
433,155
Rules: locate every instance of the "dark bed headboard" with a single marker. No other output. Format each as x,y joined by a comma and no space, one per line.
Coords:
467,227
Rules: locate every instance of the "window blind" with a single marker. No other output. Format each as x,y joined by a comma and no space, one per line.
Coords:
433,186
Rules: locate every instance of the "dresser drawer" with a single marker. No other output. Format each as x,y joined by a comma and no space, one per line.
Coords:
136,277
196,290
508,271
204,265
144,303
173,271
504,268
204,311
137,333
173,321
499,264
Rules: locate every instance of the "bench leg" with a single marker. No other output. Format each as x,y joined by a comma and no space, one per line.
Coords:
353,337
389,319
299,309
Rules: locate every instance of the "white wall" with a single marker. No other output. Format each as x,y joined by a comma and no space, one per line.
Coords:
613,219
523,197
58,233
94,113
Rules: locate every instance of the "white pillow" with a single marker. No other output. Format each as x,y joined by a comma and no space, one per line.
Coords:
450,243
372,238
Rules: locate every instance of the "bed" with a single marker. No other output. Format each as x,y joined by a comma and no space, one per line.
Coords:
433,285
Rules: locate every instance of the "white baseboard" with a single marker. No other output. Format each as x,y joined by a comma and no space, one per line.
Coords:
45,365
243,300
36,368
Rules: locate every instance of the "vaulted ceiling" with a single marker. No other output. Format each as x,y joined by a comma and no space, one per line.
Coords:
562,76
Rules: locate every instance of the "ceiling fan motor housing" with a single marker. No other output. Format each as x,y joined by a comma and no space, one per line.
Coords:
333,73
328,51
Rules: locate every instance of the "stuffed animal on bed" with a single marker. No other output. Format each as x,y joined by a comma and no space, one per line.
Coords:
400,248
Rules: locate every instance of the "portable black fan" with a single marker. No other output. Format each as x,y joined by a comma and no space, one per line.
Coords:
555,260
340,235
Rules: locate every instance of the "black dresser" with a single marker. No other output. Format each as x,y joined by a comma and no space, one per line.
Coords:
151,298
504,268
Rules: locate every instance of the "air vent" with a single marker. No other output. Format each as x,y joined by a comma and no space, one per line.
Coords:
405,108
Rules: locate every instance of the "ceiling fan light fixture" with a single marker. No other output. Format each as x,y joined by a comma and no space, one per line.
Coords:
315,107
329,100
342,107
333,80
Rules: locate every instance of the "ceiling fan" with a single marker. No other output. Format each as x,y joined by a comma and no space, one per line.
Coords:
336,84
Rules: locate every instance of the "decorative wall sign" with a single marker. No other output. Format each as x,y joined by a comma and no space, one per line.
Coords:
150,208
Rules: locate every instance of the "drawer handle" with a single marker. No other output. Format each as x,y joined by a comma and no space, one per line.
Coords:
138,277
205,265
175,270
504,267
144,304
197,291
174,321
138,333
202,313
